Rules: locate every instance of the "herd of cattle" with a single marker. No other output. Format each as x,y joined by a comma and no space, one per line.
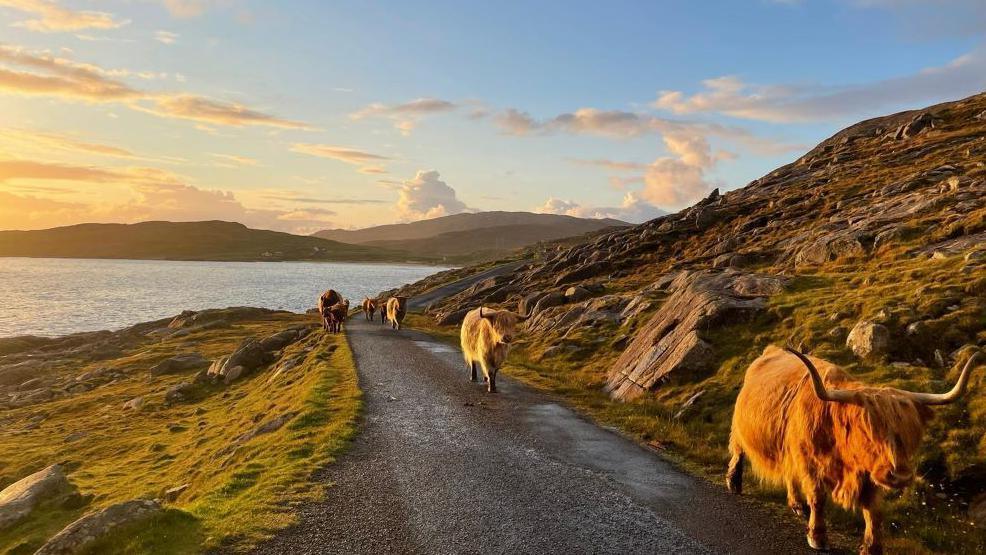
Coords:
802,422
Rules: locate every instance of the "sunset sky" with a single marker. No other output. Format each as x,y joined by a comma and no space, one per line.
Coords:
300,116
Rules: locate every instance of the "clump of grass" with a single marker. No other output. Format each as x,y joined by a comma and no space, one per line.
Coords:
239,491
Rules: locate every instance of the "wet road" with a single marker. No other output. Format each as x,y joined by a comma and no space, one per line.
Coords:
440,466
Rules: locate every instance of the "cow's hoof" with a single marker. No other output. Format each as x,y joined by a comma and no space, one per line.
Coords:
818,542
491,390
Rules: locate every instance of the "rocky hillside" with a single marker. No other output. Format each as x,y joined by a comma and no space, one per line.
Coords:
869,250
173,436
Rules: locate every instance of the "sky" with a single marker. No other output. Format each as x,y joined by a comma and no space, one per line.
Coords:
306,115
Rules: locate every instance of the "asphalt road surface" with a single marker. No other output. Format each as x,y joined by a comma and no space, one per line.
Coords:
420,302
441,466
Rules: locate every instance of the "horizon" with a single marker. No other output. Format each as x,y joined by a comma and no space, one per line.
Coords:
353,116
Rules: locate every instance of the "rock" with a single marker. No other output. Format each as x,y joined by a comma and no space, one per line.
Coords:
939,358
577,294
270,426
917,329
18,499
558,350
582,273
134,404
178,392
179,363
247,357
527,303
91,527
670,343
171,495
548,301
451,318
868,339
282,339
688,404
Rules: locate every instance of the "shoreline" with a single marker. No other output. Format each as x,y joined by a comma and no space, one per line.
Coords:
249,260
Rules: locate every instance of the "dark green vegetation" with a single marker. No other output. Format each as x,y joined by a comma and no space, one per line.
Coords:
225,241
885,222
243,474
469,238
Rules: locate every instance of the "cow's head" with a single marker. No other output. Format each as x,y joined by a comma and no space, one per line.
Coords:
883,427
503,322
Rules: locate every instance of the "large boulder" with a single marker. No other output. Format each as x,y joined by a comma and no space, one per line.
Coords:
179,363
247,357
18,499
868,339
93,526
282,339
670,344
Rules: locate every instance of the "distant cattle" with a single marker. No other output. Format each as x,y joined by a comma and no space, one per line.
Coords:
382,303
327,299
486,336
369,307
396,310
335,315
806,424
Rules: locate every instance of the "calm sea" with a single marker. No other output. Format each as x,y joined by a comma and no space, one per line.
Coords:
55,296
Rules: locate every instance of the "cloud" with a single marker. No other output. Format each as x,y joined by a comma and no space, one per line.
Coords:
186,9
619,124
197,108
311,200
50,17
611,164
372,170
633,209
427,196
155,195
236,160
407,114
66,78
37,140
730,95
340,153
166,37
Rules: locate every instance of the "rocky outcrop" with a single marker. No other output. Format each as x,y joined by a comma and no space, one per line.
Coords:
179,363
671,343
19,499
249,356
868,339
93,526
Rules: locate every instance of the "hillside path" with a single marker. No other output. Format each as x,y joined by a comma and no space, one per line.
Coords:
420,302
440,466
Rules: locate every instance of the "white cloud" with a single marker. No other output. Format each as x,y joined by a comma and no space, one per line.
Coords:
340,153
405,115
633,209
50,17
166,37
427,196
730,95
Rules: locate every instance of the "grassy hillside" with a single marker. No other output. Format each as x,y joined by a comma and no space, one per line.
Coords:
484,243
243,451
212,240
884,223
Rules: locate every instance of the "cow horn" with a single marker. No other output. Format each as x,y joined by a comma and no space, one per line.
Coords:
955,393
836,395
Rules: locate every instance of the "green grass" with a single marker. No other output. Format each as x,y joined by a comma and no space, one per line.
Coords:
237,495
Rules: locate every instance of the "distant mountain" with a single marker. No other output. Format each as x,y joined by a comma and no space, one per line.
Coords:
471,236
211,240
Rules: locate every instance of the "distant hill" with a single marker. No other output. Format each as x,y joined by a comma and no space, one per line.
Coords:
211,240
471,236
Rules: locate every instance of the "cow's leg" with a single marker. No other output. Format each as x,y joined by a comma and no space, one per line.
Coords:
734,474
472,367
817,534
486,372
492,386
873,537
794,501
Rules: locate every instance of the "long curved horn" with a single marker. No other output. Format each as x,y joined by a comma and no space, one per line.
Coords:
956,392
835,395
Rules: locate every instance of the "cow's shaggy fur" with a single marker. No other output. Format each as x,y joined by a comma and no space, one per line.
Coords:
396,309
486,336
852,447
369,307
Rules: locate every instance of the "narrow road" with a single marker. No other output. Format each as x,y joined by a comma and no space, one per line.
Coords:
420,302
440,466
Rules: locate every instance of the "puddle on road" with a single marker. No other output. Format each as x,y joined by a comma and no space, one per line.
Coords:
438,348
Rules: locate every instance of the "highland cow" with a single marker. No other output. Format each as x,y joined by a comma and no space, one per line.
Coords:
485,337
396,310
820,432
